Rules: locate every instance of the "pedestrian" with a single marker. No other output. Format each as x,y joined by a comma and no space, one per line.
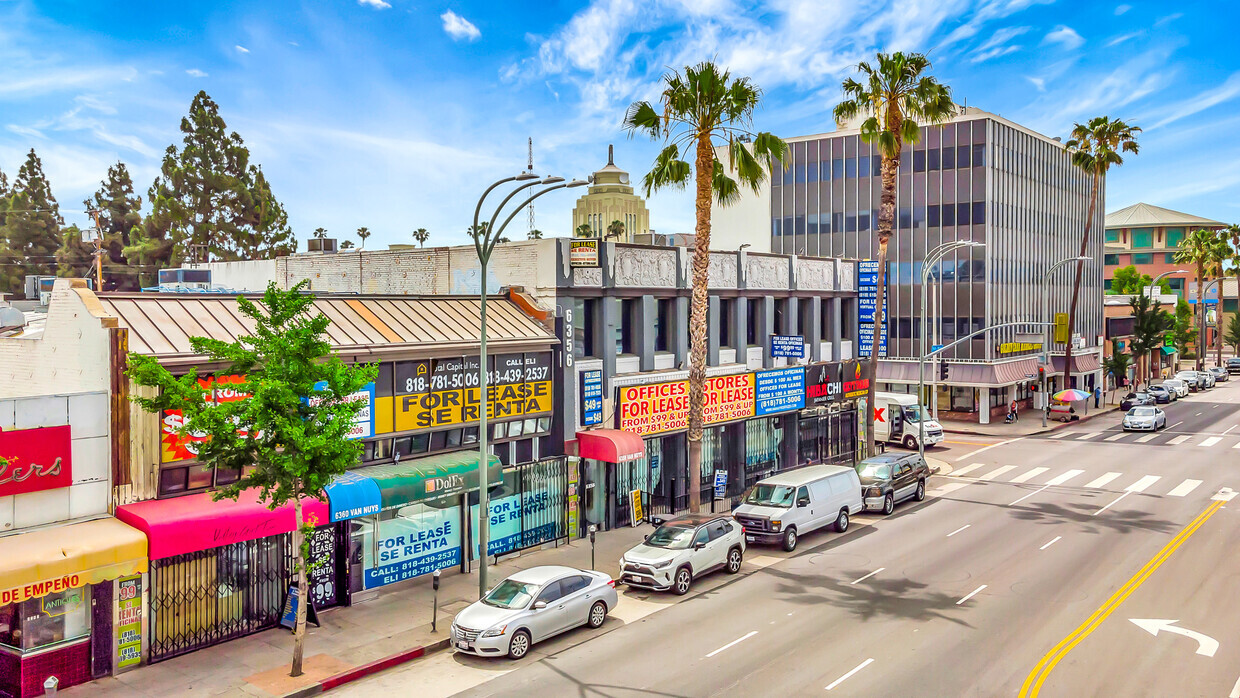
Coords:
1097,397
1013,412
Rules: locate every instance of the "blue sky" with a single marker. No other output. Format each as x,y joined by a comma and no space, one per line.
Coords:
395,114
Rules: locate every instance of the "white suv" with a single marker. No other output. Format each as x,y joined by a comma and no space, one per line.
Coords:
682,549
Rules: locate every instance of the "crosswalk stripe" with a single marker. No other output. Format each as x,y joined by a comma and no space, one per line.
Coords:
967,469
1065,477
1059,434
1143,484
948,488
997,472
1088,435
1179,440
1211,441
1025,477
1237,445
1098,483
1184,488
1147,438
1117,437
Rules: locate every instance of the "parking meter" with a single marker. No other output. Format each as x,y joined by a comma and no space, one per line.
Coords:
435,600
593,530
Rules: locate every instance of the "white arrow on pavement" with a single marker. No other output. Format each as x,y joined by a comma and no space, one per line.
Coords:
1205,644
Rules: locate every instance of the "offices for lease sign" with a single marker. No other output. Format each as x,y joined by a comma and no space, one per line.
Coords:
663,407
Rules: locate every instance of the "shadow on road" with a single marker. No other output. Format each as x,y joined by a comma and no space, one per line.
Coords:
1121,520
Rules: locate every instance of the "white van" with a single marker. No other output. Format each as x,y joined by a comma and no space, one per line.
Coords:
896,420
787,505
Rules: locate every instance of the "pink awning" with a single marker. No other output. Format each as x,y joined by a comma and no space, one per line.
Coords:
194,522
610,445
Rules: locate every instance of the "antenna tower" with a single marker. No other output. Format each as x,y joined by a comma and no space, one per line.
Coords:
530,169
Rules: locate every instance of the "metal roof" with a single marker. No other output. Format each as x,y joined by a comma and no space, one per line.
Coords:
160,325
1147,216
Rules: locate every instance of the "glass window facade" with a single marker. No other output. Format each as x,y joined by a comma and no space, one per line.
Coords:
1142,238
1112,236
1173,237
45,621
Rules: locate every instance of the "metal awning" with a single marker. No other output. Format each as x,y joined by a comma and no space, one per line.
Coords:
1081,363
610,445
965,374
391,485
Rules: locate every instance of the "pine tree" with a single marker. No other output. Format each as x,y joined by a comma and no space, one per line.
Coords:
31,233
120,222
75,259
208,196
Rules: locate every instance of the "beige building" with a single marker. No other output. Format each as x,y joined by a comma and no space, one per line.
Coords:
611,198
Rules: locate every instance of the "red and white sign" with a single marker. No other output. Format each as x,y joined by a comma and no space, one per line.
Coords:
174,447
38,459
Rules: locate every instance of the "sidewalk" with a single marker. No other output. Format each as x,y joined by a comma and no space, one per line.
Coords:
1030,423
395,622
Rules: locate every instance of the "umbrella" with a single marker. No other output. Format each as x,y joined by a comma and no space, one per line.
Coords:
1071,395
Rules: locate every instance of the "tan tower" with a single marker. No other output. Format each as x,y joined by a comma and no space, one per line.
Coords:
611,198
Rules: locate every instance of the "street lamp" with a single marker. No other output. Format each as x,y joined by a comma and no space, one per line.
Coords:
931,259
1201,335
484,244
1046,340
1154,285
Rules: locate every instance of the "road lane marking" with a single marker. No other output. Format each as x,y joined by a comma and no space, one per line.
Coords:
1088,435
1179,440
1206,645
1065,477
987,448
1116,437
1143,484
1184,488
1236,446
845,677
948,488
1113,503
1025,477
997,472
733,643
1230,428
958,530
1059,435
970,594
1147,438
1235,690
1033,683
1052,542
1097,484
1028,495
1197,415
1210,442
1174,425
967,469
862,579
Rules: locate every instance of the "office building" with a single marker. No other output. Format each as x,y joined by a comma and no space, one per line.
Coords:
610,198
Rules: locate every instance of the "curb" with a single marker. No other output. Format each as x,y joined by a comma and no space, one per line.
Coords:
1049,427
365,670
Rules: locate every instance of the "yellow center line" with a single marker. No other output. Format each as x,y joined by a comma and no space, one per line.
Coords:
1033,683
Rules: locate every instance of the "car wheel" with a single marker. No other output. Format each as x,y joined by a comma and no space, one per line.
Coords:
682,582
790,539
921,490
841,521
889,503
519,645
734,560
910,442
598,614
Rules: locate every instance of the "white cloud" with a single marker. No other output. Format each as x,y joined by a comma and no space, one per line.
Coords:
1064,35
1168,19
241,49
93,102
195,73
1122,38
997,45
1039,83
33,79
1121,9
458,27
26,131
1203,101
376,4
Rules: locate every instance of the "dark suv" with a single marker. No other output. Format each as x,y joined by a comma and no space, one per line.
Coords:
892,477
1233,365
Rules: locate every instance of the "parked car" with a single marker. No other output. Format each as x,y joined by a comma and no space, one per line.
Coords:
1205,379
682,549
786,506
1180,387
1220,373
1191,379
1161,394
1132,400
1145,418
531,606
1233,365
888,479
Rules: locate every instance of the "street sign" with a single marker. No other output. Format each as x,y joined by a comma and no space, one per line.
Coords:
788,345
721,484
591,398
936,347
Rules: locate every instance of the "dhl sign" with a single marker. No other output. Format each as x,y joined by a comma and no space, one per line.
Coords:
440,408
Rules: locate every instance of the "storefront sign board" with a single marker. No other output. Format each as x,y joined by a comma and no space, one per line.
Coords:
591,398
70,581
38,459
636,515
129,622
780,390
364,422
823,385
662,407
414,545
721,484
583,253
788,345
175,447
517,385
856,379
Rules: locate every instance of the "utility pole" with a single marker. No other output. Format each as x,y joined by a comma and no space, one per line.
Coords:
98,251
529,168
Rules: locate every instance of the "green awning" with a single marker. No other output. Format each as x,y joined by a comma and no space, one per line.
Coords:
431,477
1168,350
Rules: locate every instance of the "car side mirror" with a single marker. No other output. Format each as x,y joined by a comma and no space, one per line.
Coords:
802,503
699,546
540,605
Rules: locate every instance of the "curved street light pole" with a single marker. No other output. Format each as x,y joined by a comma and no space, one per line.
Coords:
484,244
1046,334
1153,287
1201,337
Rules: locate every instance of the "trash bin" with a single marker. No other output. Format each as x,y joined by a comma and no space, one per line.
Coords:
50,686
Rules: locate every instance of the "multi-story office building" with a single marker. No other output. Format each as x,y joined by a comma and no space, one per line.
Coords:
610,198
978,177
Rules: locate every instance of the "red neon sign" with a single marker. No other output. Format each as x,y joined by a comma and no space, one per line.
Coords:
38,459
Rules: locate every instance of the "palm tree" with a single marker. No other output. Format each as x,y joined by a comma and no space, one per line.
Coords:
1233,232
534,234
1117,364
421,235
702,110
1233,334
897,96
584,231
346,245
1150,326
475,232
615,229
320,233
1205,250
1094,148
363,233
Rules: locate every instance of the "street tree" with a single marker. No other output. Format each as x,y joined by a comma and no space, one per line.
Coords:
362,234
1150,325
1117,365
347,245
1128,280
291,437
615,229
209,198
896,97
1094,148
31,234
1231,233
1205,250
535,234
1184,330
75,258
421,235
119,211
1233,334
698,113
320,233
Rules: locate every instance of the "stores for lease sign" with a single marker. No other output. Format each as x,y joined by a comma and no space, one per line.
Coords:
662,407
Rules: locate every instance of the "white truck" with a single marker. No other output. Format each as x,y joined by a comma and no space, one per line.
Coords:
895,420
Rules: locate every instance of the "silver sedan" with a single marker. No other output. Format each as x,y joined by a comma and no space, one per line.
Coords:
1145,418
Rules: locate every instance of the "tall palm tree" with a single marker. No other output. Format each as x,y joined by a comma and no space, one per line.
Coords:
615,229
1233,233
363,233
896,95
1094,148
534,234
698,112
421,235
1205,250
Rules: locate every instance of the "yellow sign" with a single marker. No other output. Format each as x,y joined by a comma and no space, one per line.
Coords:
659,407
66,582
636,515
442,408
1013,347
1061,328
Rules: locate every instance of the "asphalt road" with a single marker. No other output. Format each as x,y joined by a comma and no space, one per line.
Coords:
1019,576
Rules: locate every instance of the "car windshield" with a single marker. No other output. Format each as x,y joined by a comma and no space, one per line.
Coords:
912,414
671,537
880,471
770,495
1141,396
1141,412
511,594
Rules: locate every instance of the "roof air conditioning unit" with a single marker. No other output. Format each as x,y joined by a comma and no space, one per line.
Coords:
321,245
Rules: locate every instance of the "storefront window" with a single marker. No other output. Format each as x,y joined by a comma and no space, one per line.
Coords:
47,620
404,543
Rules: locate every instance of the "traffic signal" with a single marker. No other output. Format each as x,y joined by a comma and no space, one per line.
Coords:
1041,374
943,371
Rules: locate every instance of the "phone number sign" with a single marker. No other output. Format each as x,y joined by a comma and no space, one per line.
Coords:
662,407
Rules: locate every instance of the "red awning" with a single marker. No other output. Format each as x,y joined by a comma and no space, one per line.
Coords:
194,522
610,445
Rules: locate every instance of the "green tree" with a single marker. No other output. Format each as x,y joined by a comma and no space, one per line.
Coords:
292,436
320,233
75,259
421,235
119,211
1205,250
534,234
1150,325
1117,364
701,111
362,234
1094,147
1184,330
1128,280
615,229
347,245
1233,334
31,234
584,231
896,96
208,196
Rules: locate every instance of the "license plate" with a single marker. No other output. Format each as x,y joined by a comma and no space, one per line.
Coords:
463,645
748,539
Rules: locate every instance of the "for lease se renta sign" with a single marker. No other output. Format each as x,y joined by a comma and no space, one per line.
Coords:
662,407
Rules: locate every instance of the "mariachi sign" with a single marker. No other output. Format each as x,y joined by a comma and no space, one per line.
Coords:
823,385
444,392
35,459
663,407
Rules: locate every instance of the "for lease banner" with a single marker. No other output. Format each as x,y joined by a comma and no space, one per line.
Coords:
663,407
